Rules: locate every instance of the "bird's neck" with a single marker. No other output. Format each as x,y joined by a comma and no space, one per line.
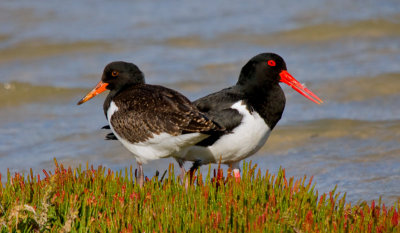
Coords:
268,102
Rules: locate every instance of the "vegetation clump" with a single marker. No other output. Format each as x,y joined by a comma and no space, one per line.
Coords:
101,200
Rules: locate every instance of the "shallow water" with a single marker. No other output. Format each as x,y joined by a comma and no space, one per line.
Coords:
346,52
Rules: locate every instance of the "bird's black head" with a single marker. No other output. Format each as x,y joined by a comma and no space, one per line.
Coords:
116,76
120,74
262,70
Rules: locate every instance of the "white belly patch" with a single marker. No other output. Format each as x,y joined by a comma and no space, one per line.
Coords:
245,140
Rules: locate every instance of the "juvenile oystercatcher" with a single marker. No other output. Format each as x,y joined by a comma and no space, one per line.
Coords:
151,121
248,111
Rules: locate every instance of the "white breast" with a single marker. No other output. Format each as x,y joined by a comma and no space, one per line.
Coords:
159,146
110,111
245,140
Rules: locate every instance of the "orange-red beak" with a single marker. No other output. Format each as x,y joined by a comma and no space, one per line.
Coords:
289,80
99,88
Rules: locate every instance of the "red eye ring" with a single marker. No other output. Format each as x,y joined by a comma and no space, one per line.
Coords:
271,63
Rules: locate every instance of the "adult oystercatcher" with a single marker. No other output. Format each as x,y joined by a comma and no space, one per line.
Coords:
151,121
248,111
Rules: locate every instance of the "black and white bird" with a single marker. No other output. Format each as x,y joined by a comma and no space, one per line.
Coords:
248,111
151,121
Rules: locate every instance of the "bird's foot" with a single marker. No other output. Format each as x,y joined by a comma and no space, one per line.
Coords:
236,174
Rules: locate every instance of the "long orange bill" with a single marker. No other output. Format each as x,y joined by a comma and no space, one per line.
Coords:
289,80
99,88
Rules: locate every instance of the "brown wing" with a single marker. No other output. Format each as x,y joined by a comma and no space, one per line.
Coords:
148,109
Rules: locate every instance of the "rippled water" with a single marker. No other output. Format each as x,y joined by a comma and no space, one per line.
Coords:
348,52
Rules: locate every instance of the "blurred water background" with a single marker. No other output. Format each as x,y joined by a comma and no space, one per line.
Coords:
347,52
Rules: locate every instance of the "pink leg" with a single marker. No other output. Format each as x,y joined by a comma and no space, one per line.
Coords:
140,178
183,171
182,175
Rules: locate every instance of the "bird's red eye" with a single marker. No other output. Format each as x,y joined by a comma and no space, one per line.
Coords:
271,63
114,73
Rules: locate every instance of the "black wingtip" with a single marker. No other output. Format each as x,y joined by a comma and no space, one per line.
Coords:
111,136
219,127
105,127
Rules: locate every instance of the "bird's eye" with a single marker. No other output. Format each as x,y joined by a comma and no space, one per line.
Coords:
271,63
114,73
